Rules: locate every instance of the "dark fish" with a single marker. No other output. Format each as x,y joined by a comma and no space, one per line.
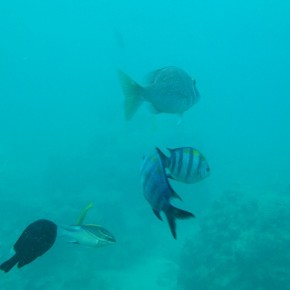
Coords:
169,90
185,164
35,240
158,191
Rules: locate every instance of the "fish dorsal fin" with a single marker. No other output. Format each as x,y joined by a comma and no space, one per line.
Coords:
74,242
83,214
164,159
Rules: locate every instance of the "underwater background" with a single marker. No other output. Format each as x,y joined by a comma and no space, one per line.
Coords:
64,141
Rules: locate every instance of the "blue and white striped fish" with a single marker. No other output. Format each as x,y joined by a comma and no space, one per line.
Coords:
185,164
158,191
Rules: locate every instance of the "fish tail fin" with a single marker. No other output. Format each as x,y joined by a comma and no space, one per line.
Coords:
175,213
9,264
133,94
165,160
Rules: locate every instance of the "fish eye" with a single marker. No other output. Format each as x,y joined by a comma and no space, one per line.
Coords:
208,170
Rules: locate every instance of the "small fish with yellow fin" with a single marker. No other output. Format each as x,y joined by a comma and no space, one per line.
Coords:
91,235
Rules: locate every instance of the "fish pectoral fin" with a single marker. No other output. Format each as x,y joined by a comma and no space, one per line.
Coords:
157,213
74,242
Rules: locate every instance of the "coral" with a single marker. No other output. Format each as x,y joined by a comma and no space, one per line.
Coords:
242,243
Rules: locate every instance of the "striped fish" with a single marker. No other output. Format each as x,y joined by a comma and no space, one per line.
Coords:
185,164
158,191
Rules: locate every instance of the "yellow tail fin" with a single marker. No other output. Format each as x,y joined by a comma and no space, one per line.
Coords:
133,94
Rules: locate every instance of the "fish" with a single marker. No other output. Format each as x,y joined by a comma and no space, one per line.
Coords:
185,164
91,235
158,191
35,240
169,90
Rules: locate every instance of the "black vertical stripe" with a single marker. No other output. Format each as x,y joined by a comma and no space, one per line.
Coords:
172,161
190,162
179,162
199,164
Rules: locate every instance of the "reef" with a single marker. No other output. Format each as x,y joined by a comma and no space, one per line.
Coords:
242,243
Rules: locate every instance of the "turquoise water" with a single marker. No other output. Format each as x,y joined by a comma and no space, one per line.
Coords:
64,141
